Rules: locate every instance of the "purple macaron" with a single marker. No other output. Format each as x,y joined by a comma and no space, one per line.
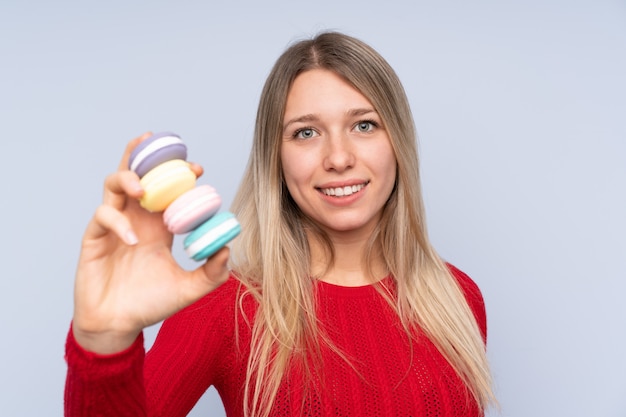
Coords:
158,148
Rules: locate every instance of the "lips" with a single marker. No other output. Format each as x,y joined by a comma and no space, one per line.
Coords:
343,191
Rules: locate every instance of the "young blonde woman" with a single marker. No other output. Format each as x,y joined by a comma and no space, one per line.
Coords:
331,302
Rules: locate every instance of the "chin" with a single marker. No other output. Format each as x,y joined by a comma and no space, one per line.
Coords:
348,226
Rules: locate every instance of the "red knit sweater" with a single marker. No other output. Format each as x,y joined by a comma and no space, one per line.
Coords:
197,348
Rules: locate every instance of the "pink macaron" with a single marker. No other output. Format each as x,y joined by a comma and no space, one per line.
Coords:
191,209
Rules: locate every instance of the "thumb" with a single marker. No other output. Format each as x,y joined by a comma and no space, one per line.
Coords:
215,268
207,277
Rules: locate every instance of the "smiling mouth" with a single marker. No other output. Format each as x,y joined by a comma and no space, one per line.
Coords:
343,191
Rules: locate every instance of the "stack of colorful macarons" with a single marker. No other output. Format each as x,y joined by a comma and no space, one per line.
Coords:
170,186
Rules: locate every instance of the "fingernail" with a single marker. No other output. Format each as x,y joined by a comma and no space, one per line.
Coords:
131,238
137,186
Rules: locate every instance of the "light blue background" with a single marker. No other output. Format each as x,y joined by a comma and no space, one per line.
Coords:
521,112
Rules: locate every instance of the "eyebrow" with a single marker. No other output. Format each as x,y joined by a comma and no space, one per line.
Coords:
313,117
301,119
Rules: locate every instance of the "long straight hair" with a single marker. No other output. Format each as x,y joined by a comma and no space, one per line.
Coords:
272,255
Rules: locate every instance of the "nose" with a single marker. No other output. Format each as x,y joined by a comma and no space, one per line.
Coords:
339,153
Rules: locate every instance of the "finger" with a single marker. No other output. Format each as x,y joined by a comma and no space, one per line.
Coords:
129,148
197,169
119,186
107,219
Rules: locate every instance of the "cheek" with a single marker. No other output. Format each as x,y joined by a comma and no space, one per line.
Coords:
387,171
385,161
294,165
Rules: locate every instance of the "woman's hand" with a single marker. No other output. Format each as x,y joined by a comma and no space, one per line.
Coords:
127,278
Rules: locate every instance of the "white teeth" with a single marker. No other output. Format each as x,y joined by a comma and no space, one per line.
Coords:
343,191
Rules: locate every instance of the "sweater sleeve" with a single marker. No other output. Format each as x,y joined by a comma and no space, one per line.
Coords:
167,380
474,298
104,385
191,353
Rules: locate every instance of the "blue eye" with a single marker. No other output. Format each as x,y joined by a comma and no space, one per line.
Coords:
305,133
365,126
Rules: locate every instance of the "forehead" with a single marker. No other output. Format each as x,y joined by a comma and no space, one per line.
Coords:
322,91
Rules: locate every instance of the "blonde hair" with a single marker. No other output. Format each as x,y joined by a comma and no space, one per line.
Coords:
271,257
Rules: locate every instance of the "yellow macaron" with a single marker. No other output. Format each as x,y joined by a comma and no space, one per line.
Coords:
165,182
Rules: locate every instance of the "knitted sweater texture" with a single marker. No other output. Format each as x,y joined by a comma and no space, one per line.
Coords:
208,343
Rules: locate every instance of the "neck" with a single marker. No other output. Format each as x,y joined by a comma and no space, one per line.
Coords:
350,266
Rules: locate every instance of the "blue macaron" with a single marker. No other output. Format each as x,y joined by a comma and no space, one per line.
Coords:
211,236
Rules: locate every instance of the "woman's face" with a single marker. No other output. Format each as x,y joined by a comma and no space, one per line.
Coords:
337,159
